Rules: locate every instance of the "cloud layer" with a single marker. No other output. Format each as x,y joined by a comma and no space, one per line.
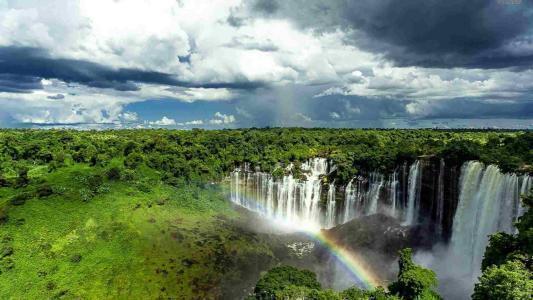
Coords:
272,62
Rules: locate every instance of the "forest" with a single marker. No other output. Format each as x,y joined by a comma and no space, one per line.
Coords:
142,213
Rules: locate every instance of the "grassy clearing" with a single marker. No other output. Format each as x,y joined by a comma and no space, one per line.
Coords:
139,239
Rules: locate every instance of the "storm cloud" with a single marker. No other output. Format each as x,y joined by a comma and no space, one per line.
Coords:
12,83
345,63
428,33
27,65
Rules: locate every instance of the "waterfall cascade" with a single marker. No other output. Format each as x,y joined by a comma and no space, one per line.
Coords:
458,206
302,201
290,199
440,199
416,194
489,201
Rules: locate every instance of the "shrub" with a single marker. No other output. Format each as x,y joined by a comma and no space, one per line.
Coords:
114,173
133,160
44,190
3,216
510,281
4,182
22,179
20,199
94,182
414,282
76,258
279,278
129,175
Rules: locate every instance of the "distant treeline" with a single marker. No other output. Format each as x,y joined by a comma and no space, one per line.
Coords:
209,155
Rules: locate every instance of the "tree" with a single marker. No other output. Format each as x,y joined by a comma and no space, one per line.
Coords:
22,178
133,160
509,281
507,265
503,246
279,278
414,282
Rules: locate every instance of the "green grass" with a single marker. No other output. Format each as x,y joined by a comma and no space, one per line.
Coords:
139,239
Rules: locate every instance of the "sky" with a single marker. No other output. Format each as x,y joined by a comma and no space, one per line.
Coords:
256,63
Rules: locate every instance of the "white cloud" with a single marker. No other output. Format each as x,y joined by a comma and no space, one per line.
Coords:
220,119
150,35
334,115
433,84
163,122
79,104
129,116
150,91
193,122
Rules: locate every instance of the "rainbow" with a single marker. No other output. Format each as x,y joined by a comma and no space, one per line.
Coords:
352,262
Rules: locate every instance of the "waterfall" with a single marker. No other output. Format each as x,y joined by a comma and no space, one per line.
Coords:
525,187
440,199
362,196
376,183
489,201
413,193
331,207
393,193
350,198
290,199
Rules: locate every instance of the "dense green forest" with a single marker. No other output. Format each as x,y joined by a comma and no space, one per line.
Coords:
134,213
200,155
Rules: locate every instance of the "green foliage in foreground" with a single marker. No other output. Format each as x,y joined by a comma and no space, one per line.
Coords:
286,282
414,282
508,281
281,278
80,232
507,265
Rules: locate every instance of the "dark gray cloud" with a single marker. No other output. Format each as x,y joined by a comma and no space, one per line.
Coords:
32,64
12,83
266,6
429,33
476,108
57,97
295,106
443,33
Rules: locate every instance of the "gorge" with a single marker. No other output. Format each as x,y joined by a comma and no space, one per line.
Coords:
455,205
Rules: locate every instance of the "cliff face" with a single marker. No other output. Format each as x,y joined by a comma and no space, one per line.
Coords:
434,191
439,196
423,194
375,239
